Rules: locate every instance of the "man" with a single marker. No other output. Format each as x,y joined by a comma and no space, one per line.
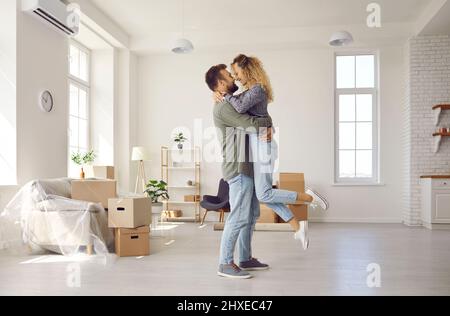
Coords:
238,172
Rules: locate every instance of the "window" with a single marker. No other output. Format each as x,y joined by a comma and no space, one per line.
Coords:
356,117
79,62
79,86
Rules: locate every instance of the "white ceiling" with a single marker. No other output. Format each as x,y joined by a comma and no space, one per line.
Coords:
440,23
153,24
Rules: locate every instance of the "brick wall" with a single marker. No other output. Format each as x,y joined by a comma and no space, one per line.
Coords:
427,84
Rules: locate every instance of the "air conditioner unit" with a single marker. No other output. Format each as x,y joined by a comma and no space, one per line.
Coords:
55,13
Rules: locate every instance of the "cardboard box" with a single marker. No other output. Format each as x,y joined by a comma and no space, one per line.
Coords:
268,216
192,198
172,214
129,212
132,242
294,182
95,191
300,212
100,172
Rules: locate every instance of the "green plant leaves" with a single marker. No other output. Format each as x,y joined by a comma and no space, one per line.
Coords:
179,138
83,159
157,190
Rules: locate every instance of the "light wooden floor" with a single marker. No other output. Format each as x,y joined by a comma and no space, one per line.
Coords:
413,261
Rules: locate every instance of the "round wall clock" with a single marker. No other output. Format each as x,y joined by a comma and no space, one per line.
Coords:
46,101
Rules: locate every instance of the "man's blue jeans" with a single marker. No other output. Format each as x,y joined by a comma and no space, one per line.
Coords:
241,221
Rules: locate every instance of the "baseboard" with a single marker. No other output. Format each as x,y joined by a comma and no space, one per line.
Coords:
356,220
437,226
412,225
287,228
262,227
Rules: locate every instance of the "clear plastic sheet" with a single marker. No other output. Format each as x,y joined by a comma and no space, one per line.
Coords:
42,217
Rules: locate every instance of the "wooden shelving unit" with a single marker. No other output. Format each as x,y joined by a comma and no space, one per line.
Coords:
194,169
442,106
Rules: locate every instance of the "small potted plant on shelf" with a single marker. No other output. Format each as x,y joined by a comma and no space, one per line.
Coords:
81,160
157,191
180,139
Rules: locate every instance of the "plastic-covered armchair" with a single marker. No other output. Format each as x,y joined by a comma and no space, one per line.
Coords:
42,216
219,203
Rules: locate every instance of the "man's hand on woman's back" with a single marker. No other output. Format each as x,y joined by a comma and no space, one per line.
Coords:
266,134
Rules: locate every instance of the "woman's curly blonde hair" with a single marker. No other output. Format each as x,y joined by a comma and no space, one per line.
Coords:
253,69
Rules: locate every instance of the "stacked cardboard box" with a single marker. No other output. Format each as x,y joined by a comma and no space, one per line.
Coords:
295,182
130,212
192,198
100,172
95,191
172,214
133,242
268,216
131,219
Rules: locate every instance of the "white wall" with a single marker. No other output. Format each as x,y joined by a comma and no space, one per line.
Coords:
42,64
172,93
8,159
125,118
102,106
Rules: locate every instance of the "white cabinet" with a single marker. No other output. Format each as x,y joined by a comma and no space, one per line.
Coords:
436,202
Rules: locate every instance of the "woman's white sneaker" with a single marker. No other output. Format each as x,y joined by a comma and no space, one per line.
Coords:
318,200
302,235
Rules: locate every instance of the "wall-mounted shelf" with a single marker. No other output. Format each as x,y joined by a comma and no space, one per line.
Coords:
442,134
438,141
439,108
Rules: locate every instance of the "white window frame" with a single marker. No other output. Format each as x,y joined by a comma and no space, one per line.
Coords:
375,179
88,52
84,85
87,90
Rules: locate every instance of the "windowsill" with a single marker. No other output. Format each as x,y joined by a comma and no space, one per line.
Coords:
379,184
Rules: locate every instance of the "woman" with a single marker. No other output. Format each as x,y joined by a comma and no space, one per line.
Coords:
250,73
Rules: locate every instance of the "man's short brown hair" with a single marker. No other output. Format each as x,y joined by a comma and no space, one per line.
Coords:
213,76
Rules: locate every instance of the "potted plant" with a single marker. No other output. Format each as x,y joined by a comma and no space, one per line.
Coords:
180,140
157,191
83,159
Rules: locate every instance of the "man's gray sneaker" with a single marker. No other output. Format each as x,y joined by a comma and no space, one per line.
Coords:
232,271
253,265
